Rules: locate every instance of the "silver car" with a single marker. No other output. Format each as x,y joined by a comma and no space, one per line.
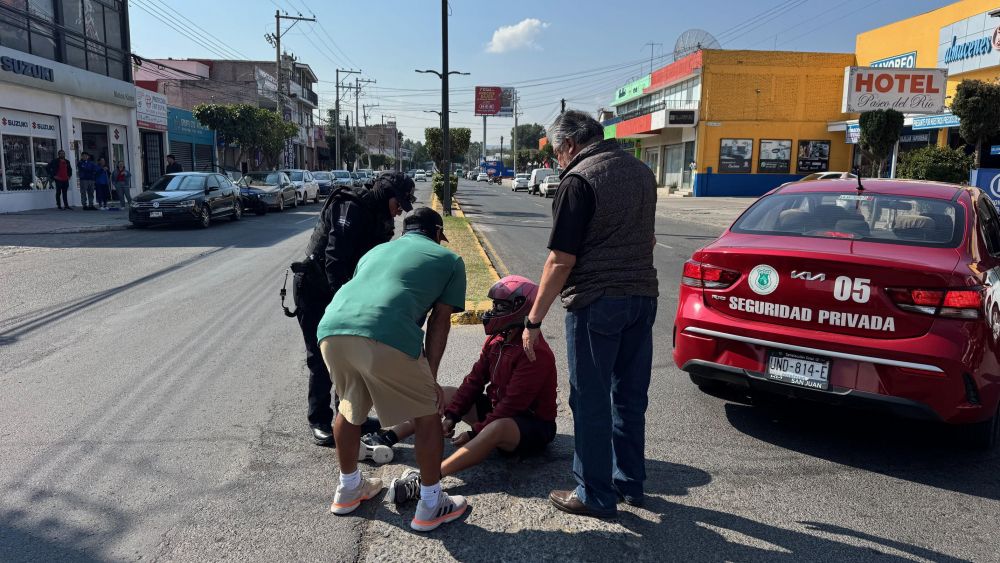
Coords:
549,186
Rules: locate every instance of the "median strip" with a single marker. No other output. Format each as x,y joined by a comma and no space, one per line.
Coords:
480,274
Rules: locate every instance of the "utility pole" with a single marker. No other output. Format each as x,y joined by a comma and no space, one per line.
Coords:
500,172
445,150
513,138
563,110
336,112
277,55
484,139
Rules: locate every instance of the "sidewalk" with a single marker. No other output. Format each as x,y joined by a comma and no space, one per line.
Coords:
59,221
717,212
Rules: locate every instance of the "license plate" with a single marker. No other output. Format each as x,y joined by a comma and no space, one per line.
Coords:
796,369
154,214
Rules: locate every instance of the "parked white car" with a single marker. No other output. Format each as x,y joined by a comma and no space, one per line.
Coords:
419,176
549,186
306,186
537,175
520,182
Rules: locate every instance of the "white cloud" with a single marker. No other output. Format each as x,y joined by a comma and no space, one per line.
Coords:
521,35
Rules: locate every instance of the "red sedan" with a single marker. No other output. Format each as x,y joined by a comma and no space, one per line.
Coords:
885,296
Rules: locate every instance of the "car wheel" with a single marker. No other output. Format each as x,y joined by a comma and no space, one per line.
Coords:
281,204
316,199
984,435
704,383
237,212
205,219
295,202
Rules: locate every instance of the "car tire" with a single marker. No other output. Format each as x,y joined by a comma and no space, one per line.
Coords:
706,384
316,199
295,202
984,435
237,212
205,219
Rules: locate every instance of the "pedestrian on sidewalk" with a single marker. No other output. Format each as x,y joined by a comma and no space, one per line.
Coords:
102,184
352,222
172,165
508,400
601,264
60,170
122,180
88,172
373,345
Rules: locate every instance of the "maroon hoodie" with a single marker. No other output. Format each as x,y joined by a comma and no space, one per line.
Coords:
514,384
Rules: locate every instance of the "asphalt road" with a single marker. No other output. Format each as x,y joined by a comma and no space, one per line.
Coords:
152,407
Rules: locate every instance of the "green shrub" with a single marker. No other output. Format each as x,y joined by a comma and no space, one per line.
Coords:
437,183
935,163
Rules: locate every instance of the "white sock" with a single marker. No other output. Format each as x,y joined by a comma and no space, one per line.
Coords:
351,480
429,494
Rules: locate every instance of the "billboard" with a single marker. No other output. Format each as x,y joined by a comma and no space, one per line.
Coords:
494,101
913,90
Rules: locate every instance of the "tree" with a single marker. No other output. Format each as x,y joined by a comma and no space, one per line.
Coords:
381,161
880,130
458,144
935,163
474,154
528,135
248,127
977,105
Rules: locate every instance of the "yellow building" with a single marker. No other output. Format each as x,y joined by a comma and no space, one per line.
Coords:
963,38
744,121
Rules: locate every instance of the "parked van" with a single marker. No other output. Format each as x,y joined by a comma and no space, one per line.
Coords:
537,175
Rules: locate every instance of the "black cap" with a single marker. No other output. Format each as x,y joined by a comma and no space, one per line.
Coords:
401,186
424,220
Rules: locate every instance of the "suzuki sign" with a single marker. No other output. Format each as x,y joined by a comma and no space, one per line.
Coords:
915,90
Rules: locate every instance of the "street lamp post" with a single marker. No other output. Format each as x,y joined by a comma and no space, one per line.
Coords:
443,75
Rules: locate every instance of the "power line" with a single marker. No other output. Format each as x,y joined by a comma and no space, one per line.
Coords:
178,29
207,36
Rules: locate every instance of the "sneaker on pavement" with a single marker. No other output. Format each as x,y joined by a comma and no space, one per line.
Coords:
448,509
405,488
377,438
379,454
346,501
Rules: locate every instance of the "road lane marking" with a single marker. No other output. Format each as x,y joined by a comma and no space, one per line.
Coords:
304,220
664,245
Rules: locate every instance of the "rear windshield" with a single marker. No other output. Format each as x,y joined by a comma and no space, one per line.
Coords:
913,221
262,178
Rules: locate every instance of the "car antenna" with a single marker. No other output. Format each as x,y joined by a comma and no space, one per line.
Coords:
857,174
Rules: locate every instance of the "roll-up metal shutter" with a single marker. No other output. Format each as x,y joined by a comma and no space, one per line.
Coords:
183,152
203,158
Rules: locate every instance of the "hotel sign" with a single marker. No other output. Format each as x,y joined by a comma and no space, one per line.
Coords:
916,90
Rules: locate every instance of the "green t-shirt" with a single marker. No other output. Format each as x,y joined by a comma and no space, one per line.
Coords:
394,287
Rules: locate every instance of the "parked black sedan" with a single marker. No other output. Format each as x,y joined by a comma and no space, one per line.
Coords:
325,181
187,197
267,190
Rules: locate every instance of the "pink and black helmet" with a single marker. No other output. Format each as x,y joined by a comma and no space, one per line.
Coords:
512,298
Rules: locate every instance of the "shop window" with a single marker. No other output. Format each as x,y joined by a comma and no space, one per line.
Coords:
43,43
97,59
45,151
13,30
116,67
17,162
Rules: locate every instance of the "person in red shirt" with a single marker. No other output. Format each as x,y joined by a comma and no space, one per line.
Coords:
60,170
508,401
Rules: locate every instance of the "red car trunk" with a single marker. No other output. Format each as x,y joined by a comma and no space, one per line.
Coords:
831,285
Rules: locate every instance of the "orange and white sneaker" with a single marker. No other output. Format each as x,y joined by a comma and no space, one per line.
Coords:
346,501
448,508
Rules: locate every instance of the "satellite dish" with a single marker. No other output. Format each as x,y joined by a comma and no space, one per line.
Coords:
694,40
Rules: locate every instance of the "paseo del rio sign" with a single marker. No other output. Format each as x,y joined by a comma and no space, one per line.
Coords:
915,90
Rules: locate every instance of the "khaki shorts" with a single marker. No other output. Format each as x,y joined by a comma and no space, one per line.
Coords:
367,372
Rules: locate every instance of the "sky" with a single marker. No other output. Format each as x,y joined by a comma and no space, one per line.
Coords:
581,50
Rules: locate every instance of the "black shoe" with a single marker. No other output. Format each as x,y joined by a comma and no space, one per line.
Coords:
379,438
636,501
370,425
405,488
322,436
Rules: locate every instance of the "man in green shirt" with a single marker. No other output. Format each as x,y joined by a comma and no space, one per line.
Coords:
372,342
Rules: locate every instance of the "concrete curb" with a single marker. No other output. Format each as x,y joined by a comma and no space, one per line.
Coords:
474,310
73,230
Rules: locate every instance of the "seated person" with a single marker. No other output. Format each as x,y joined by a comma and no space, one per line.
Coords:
508,400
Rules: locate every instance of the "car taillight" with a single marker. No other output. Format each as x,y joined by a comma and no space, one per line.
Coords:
951,303
705,276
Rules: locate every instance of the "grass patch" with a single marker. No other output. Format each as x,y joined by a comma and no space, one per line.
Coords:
479,274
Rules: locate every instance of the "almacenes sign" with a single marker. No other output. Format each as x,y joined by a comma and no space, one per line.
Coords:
17,66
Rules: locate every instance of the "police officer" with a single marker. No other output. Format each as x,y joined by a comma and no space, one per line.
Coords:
352,222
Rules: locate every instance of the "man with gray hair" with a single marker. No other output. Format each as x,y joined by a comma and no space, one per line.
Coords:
601,264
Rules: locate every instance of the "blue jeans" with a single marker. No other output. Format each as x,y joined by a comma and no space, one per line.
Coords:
610,349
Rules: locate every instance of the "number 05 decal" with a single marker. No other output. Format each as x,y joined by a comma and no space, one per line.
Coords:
857,289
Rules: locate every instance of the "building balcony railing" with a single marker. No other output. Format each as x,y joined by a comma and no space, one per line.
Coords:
304,94
661,105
